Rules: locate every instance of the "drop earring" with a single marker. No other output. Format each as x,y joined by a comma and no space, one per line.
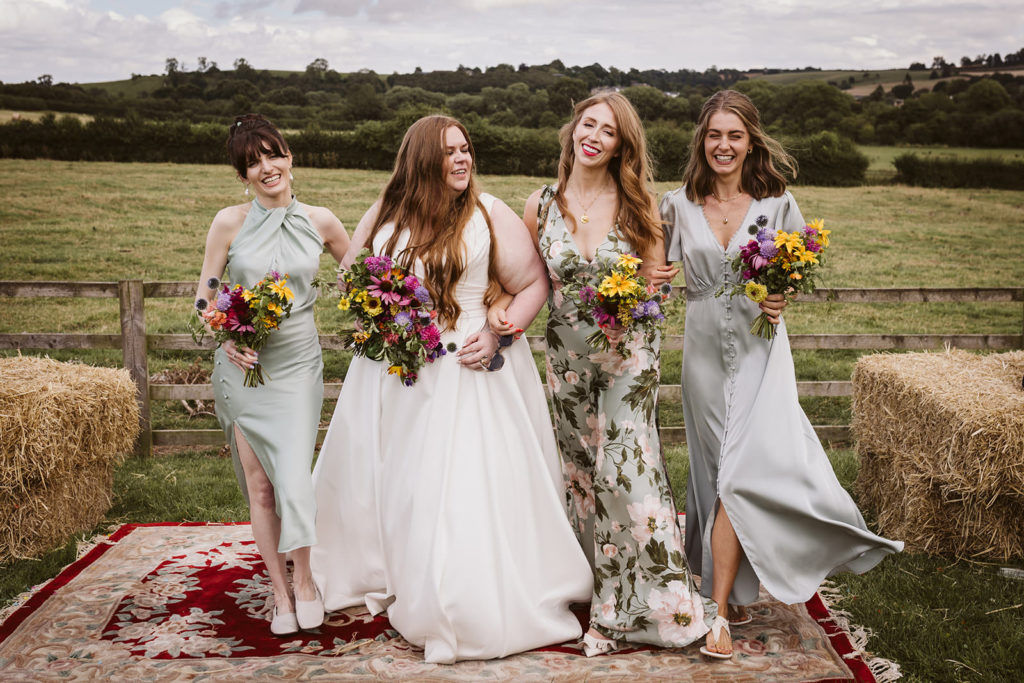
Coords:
247,189
290,176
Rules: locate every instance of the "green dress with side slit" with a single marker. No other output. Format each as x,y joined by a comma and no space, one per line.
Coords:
278,419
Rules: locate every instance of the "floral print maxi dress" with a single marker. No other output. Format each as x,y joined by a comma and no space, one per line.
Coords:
618,492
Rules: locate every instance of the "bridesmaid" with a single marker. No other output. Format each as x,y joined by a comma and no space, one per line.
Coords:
619,496
763,504
272,427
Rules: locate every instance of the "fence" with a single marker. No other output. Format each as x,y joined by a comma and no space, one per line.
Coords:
134,343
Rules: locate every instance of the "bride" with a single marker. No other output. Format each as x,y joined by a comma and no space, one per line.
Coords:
441,503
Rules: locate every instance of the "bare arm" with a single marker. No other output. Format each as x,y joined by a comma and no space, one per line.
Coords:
223,229
361,236
332,232
530,217
654,267
497,314
521,274
520,269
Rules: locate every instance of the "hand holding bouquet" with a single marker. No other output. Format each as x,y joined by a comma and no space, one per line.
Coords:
246,316
778,262
619,302
394,320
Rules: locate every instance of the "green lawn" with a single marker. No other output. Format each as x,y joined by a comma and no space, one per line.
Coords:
941,620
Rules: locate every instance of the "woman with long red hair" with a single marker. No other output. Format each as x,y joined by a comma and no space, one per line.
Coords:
441,502
618,490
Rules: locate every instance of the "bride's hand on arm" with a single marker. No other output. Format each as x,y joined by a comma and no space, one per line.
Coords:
478,349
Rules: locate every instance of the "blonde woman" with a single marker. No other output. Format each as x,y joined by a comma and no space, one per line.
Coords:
441,502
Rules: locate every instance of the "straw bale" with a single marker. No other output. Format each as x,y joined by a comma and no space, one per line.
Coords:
63,427
71,502
940,437
58,417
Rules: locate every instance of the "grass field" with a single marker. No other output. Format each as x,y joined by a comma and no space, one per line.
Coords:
881,158
8,115
941,620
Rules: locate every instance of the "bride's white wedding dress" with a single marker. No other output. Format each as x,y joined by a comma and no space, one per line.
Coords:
443,502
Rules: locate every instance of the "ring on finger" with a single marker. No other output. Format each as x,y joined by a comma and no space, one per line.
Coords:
483,363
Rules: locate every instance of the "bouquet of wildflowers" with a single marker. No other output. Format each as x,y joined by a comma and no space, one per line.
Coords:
618,300
394,320
247,316
778,262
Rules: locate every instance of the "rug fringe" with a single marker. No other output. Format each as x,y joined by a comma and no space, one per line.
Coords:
884,670
82,546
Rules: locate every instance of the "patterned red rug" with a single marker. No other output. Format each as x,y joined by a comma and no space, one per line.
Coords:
169,601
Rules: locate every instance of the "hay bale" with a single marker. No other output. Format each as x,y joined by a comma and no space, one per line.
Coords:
63,426
940,437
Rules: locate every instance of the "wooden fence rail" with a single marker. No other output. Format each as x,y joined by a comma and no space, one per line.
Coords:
134,343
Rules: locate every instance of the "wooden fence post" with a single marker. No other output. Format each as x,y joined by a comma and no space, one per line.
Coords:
133,345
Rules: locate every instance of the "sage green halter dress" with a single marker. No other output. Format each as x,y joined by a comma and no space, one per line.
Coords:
278,419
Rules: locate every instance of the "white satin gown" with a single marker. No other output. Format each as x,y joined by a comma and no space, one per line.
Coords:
442,504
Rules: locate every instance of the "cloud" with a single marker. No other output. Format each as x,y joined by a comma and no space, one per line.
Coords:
98,40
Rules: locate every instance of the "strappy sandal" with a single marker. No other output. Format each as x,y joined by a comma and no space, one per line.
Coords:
745,619
717,626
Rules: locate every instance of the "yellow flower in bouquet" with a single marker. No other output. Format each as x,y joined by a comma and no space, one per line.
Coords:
756,292
629,263
616,284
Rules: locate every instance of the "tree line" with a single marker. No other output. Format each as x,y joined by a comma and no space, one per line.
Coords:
977,110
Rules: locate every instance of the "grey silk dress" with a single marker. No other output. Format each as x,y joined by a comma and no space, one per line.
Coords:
278,419
750,444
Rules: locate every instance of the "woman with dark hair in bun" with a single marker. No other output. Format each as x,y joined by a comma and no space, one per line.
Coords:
272,427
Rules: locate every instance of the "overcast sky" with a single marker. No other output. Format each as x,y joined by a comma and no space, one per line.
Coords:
99,40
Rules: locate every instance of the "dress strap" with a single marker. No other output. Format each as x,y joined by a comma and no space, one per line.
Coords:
547,196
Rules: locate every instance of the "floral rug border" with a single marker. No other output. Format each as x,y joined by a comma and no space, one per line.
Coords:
861,667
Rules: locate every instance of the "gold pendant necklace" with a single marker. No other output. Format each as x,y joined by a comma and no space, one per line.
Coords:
584,218
725,217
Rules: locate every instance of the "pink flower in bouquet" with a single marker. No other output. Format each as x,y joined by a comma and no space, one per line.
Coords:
430,335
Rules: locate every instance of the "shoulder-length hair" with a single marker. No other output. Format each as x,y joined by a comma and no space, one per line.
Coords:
636,221
250,136
760,176
418,200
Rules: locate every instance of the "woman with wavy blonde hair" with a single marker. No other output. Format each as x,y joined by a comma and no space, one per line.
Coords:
763,505
436,500
616,486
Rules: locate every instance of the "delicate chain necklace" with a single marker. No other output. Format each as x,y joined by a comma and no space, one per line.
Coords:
725,217
584,218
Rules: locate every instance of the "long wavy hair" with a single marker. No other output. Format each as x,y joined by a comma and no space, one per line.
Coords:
636,220
250,136
761,175
418,200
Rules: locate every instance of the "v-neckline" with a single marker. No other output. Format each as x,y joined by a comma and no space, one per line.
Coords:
711,231
576,245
